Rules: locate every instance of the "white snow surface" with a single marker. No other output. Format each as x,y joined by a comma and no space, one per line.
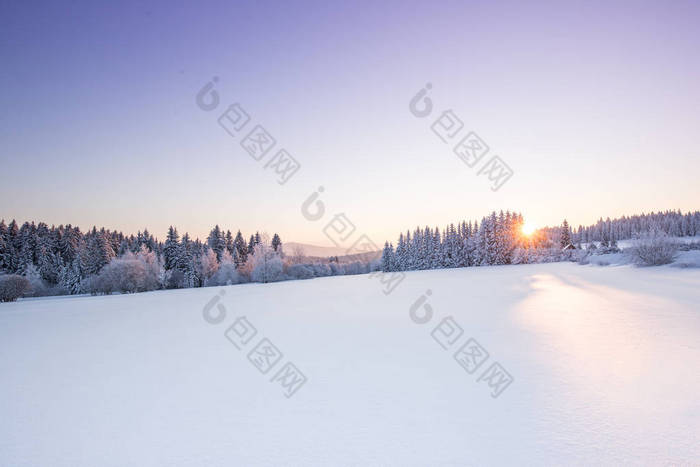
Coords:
605,361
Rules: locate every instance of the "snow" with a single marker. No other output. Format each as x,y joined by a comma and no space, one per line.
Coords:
687,259
622,244
683,259
605,364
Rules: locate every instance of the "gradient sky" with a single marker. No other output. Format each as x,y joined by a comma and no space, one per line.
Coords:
595,106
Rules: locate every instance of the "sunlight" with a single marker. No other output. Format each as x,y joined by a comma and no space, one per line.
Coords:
528,228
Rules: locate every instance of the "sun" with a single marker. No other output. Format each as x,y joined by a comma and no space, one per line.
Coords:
528,228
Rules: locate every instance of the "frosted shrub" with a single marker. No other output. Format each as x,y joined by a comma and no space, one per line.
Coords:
356,267
174,279
128,274
37,286
225,275
266,262
321,270
124,275
374,265
151,268
299,271
582,257
521,256
268,269
12,287
653,249
208,264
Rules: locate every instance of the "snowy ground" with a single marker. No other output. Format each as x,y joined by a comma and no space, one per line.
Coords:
683,259
605,361
631,242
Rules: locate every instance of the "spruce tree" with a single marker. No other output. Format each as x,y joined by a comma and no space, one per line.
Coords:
276,243
217,242
241,249
171,249
251,245
13,246
97,254
565,238
388,258
400,254
4,251
436,259
71,277
229,243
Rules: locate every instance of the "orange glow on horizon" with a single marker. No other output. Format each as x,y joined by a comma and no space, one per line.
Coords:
528,228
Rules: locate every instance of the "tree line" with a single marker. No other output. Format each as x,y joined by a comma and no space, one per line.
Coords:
672,223
64,260
494,240
498,239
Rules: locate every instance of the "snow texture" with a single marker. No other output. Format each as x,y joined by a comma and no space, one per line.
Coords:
604,360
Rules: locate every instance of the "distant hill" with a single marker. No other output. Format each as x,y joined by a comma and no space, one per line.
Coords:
313,250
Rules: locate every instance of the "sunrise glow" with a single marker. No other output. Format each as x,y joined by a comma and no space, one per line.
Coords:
528,228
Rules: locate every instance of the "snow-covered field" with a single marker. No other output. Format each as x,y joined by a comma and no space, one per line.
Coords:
605,365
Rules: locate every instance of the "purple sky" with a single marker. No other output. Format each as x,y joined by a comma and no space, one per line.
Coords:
595,107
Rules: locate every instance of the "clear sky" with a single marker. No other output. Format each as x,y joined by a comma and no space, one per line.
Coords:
594,105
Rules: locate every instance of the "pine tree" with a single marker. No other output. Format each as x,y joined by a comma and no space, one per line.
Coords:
491,239
217,242
97,254
408,263
425,248
241,249
171,249
400,254
50,263
276,243
70,278
613,244
149,241
185,254
27,247
388,258
186,262
604,234
462,237
416,249
4,249
453,247
500,235
251,245
436,259
565,238
483,246
513,237
12,246
229,243
124,247
471,250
